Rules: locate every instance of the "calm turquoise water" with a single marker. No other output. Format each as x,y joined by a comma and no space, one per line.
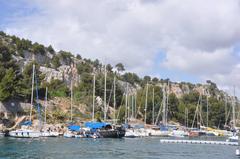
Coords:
145,148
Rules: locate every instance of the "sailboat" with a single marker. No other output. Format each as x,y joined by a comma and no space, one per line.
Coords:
103,129
162,129
111,131
25,131
72,129
234,137
47,131
137,130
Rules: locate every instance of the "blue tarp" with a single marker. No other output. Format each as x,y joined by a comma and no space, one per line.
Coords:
163,128
27,123
74,128
96,125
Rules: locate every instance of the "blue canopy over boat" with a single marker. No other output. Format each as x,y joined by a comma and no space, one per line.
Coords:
74,127
96,125
26,123
163,128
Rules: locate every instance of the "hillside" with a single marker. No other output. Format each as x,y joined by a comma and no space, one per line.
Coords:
56,70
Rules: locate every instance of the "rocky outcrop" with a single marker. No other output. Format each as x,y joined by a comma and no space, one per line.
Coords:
63,73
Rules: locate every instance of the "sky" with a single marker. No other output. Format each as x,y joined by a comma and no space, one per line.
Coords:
184,40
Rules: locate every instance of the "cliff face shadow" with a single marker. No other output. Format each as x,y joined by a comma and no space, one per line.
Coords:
10,109
14,107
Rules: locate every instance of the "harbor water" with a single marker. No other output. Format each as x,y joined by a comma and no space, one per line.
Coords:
139,148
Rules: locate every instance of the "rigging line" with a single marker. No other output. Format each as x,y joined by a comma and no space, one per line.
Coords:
200,112
159,112
196,111
228,116
139,107
38,105
110,96
120,107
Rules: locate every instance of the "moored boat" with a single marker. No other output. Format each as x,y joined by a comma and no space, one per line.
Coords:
105,130
25,133
232,139
178,133
72,131
2,134
131,133
68,134
49,134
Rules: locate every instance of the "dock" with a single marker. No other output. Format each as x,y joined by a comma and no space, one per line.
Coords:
199,142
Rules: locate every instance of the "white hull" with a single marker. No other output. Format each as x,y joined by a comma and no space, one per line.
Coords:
68,135
178,133
158,132
232,139
131,133
25,134
49,134
79,136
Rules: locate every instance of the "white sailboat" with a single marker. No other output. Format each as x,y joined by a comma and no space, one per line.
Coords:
136,132
25,131
156,130
68,133
234,137
47,131
133,132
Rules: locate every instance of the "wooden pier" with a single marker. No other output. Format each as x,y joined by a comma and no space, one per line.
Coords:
199,142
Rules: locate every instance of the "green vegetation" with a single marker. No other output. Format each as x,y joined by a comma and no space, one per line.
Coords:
8,74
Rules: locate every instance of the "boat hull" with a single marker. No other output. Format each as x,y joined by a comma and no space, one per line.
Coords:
25,134
111,133
50,134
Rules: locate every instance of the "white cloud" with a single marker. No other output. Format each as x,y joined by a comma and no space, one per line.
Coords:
200,62
198,36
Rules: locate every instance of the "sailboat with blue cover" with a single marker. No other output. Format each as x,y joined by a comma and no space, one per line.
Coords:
26,131
103,129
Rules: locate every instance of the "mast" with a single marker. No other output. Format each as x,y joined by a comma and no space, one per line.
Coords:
135,104
38,105
132,97
153,105
126,104
46,104
93,102
186,117
167,96
164,107
226,111
33,79
200,112
145,110
207,110
114,98
71,99
128,108
105,93
233,108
